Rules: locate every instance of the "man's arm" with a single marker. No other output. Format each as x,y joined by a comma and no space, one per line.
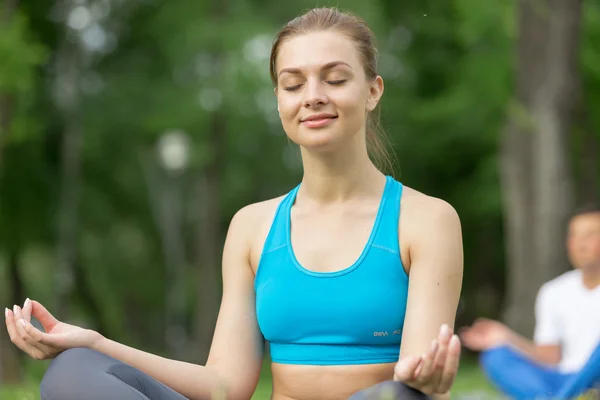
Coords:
545,347
485,334
542,353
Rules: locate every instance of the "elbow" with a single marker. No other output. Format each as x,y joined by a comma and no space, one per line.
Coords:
239,394
235,391
553,357
228,387
549,355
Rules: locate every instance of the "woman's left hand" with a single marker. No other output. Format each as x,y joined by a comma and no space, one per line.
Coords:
433,372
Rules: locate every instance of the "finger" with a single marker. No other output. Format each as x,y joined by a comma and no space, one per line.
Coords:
38,339
482,322
27,310
451,366
445,335
13,333
38,351
33,336
17,312
405,369
464,330
40,313
439,362
423,373
41,337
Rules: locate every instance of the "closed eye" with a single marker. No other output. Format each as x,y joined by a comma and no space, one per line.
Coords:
296,87
292,88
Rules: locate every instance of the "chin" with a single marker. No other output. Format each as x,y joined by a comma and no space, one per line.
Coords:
319,142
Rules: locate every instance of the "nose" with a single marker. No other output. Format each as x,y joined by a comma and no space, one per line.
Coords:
315,95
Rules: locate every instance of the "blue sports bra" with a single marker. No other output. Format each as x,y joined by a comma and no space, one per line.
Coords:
351,316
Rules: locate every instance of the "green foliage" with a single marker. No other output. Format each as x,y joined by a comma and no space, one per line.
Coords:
20,56
20,59
202,67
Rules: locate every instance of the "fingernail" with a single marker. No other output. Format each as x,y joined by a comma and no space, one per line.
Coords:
26,302
445,331
5,312
15,308
454,339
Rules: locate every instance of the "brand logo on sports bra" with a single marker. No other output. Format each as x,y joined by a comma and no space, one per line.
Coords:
385,333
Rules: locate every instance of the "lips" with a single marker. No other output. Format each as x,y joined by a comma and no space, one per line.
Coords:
319,120
318,117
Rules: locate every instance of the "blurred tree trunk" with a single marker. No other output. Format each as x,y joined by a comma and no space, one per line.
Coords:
68,73
10,356
10,371
208,232
208,237
535,173
6,110
6,100
165,193
587,158
84,292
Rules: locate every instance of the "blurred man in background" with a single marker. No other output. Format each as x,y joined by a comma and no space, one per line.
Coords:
565,353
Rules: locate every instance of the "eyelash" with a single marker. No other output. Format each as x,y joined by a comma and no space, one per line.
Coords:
335,83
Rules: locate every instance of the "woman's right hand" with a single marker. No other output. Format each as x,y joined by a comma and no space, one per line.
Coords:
57,337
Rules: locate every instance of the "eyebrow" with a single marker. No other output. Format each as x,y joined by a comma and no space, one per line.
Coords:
329,65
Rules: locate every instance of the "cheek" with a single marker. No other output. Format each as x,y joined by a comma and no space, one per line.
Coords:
353,103
288,106
596,247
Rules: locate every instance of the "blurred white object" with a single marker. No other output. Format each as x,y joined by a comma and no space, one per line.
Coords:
173,149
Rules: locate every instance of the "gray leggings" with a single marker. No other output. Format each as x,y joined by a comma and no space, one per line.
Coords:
80,373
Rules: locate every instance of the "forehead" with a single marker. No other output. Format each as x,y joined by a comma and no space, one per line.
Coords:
586,222
312,50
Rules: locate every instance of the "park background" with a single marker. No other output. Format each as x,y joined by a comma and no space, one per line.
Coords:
131,131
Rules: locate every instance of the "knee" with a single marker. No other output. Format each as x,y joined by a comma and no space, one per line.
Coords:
66,370
390,390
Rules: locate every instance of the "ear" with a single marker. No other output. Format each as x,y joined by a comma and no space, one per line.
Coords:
375,93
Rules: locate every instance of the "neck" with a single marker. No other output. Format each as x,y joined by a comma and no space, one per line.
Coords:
591,276
333,177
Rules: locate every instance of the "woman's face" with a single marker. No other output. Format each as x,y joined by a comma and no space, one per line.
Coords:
323,94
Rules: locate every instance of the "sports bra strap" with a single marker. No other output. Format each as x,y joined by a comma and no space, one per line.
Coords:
386,236
277,234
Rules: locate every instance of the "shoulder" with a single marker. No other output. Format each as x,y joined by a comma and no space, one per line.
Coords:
252,224
428,227
255,213
424,215
564,282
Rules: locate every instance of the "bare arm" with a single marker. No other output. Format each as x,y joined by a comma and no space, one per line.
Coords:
545,354
191,380
485,333
236,353
435,279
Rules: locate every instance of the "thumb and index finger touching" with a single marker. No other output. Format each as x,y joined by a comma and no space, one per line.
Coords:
34,309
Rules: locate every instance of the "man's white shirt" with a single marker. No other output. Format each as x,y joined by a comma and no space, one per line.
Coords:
568,314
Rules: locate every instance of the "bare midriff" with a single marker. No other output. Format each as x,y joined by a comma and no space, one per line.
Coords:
309,382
